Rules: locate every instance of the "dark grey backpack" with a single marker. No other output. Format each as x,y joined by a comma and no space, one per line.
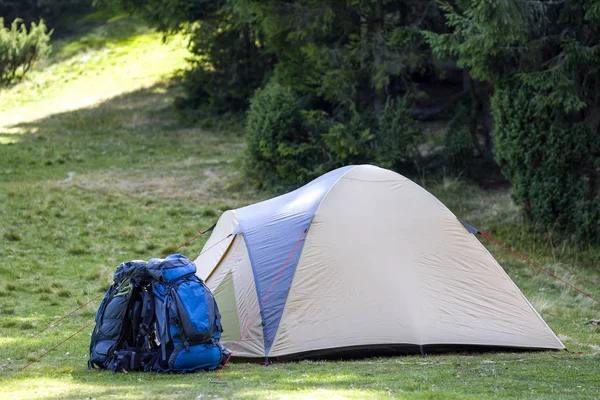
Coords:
124,338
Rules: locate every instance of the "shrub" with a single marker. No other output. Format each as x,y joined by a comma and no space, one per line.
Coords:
552,161
287,145
458,144
348,143
281,152
398,135
21,49
458,147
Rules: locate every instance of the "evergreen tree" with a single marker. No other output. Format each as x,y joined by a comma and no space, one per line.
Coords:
21,48
543,59
351,55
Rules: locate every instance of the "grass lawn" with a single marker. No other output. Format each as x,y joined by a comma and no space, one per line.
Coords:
96,168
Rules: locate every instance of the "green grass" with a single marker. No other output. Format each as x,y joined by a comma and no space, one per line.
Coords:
96,168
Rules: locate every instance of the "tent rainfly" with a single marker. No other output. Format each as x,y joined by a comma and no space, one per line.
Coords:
361,258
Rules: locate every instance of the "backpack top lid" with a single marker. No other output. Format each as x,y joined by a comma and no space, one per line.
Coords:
170,269
131,269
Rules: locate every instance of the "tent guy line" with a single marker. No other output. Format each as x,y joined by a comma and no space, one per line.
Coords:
522,257
66,315
484,234
200,233
55,347
487,236
97,297
261,227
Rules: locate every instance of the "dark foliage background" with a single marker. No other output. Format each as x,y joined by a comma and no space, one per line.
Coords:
57,14
466,86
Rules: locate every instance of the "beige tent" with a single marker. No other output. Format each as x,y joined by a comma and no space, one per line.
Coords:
360,258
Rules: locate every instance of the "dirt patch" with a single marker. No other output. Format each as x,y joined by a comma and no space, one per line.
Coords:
207,185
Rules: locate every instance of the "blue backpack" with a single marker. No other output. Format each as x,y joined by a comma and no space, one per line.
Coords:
157,316
188,323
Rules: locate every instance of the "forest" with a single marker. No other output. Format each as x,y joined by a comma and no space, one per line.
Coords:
496,91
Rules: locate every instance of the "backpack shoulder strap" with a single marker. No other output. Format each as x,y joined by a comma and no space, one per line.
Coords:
148,317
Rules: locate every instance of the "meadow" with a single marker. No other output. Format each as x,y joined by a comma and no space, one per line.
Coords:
97,167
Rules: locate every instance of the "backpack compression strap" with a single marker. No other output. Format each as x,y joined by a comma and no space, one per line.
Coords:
145,327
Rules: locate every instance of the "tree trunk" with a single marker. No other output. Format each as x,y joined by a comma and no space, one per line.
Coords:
379,98
473,114
247,51
357,26
488,123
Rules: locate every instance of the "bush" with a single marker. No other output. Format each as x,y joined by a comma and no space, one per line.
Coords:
398,135
20,49
348,144
280,152
458,147
552,162
287,145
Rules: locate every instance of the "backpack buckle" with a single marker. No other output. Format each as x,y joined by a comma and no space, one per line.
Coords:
126,360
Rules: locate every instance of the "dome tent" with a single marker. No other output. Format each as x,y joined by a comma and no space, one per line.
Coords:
360,258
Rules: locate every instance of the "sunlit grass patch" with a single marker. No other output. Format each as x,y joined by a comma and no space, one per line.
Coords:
12,135
109,60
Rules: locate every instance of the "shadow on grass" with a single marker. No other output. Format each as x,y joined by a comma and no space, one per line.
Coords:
134,143
139,112
40,143
125,130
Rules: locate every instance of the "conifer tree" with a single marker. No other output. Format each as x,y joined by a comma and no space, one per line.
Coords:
543,60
